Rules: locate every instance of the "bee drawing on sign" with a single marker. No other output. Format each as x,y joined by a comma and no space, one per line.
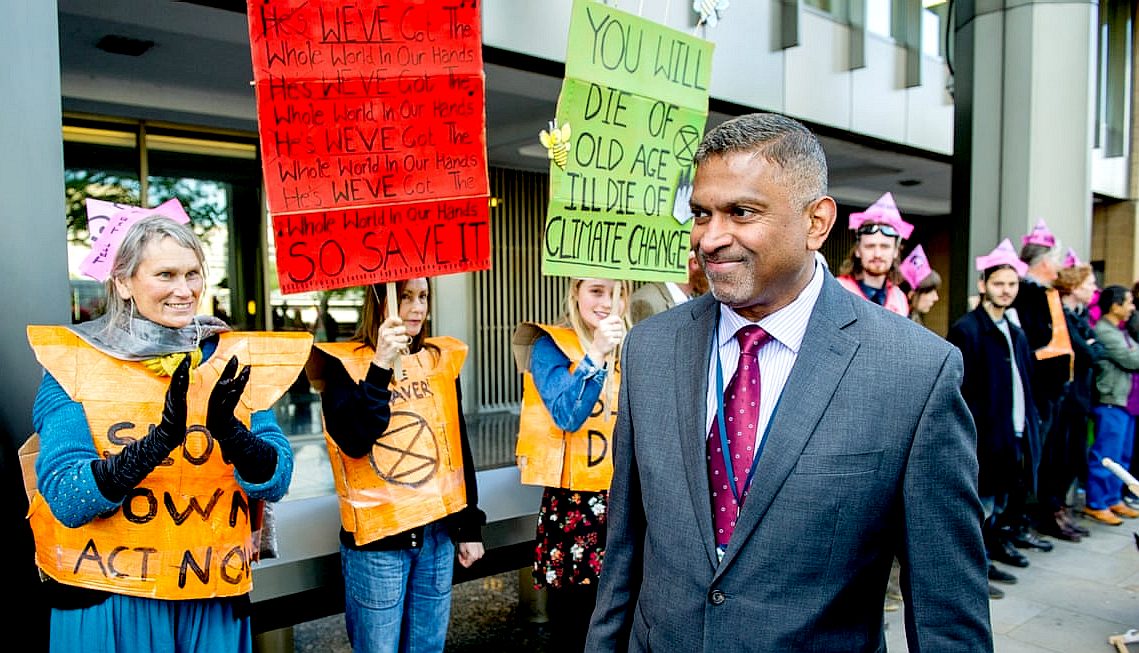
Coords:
556,142
407,454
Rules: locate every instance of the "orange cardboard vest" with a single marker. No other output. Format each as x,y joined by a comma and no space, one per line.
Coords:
547,455
414,473
1061,342
184,532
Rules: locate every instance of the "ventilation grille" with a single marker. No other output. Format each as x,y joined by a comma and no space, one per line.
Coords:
513,290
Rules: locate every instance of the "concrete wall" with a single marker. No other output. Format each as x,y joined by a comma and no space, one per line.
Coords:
34,264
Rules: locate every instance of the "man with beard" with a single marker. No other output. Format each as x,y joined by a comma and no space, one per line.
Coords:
871,269
997,388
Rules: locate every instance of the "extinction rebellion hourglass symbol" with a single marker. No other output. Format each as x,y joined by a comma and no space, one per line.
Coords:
407,454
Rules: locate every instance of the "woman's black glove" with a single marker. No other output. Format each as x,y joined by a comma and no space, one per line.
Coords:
254,458
122,472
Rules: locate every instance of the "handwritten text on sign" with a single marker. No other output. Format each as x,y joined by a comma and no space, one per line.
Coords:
365,106
635,98
359,246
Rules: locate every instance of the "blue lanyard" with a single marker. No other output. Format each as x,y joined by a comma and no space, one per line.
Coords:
723,430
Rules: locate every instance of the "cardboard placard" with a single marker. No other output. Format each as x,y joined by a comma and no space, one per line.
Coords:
635,100
373,134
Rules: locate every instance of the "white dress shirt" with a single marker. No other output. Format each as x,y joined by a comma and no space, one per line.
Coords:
786,327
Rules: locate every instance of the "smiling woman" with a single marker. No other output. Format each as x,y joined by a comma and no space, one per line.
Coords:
150,400
569,403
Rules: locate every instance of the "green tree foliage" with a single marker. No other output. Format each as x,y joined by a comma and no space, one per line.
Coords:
204,201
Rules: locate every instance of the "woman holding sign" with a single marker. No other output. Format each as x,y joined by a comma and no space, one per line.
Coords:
154,446
403,469
569,404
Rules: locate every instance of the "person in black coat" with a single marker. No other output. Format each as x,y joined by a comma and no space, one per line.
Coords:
1065,450
1008,442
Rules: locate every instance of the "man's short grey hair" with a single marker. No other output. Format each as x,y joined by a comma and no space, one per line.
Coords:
1032,253
779,139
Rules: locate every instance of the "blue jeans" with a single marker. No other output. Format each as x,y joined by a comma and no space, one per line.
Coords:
1114,434
399,601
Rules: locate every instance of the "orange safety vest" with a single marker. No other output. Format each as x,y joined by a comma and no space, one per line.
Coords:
896,301
549,456
1061,342
414,473
184,532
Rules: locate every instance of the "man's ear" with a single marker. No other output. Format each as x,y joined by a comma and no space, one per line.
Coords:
981,287
821,214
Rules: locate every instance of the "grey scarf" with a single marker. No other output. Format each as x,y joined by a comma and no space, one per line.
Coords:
136,339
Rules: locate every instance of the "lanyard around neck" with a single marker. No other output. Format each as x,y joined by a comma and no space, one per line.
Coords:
723,429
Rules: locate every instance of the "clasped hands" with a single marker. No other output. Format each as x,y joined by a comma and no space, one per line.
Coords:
220,419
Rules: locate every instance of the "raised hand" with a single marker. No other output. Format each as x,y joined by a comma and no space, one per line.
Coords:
171,430
608,334
254,458
224,398
122,472
392,342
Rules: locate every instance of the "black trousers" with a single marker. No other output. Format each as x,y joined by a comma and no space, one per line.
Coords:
569,609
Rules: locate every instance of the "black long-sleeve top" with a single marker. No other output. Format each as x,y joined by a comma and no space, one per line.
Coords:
354,413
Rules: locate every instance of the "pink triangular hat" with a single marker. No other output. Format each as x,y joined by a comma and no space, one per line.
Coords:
915,268
1072,259
883,211
1040,235
1004,254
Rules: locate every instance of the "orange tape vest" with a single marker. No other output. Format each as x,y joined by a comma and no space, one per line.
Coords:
414,474
896,301
184,532
549,456
1061,343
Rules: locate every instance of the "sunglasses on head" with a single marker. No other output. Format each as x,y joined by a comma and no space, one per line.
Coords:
887,230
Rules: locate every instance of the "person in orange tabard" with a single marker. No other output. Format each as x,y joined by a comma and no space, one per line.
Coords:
568,412
403,469
156,436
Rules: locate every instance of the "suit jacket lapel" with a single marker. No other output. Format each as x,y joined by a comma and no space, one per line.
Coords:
824,355
693,346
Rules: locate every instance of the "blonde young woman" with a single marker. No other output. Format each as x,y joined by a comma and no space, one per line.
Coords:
574,373
403,470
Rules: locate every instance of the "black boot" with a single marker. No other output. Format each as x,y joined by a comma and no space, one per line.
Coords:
1001,549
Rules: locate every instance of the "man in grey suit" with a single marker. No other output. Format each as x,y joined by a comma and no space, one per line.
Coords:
857,455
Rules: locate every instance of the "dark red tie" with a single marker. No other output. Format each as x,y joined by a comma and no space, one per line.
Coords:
741,412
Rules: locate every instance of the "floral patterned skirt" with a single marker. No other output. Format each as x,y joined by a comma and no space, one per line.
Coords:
571,538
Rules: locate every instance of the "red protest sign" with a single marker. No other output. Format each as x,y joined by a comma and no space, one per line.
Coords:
373,134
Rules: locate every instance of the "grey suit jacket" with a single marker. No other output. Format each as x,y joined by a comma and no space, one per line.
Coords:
871,451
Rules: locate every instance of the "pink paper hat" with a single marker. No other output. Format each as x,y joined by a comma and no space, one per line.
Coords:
883,211
1004,254
1040,235
108,223
1072,260
915,268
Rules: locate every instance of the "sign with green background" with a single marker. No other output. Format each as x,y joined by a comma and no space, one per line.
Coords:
630,116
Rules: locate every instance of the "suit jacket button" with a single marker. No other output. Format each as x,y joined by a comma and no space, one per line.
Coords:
717,597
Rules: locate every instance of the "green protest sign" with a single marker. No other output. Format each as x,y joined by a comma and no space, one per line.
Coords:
630,116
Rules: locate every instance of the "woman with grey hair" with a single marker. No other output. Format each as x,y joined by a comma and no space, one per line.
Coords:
154,453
